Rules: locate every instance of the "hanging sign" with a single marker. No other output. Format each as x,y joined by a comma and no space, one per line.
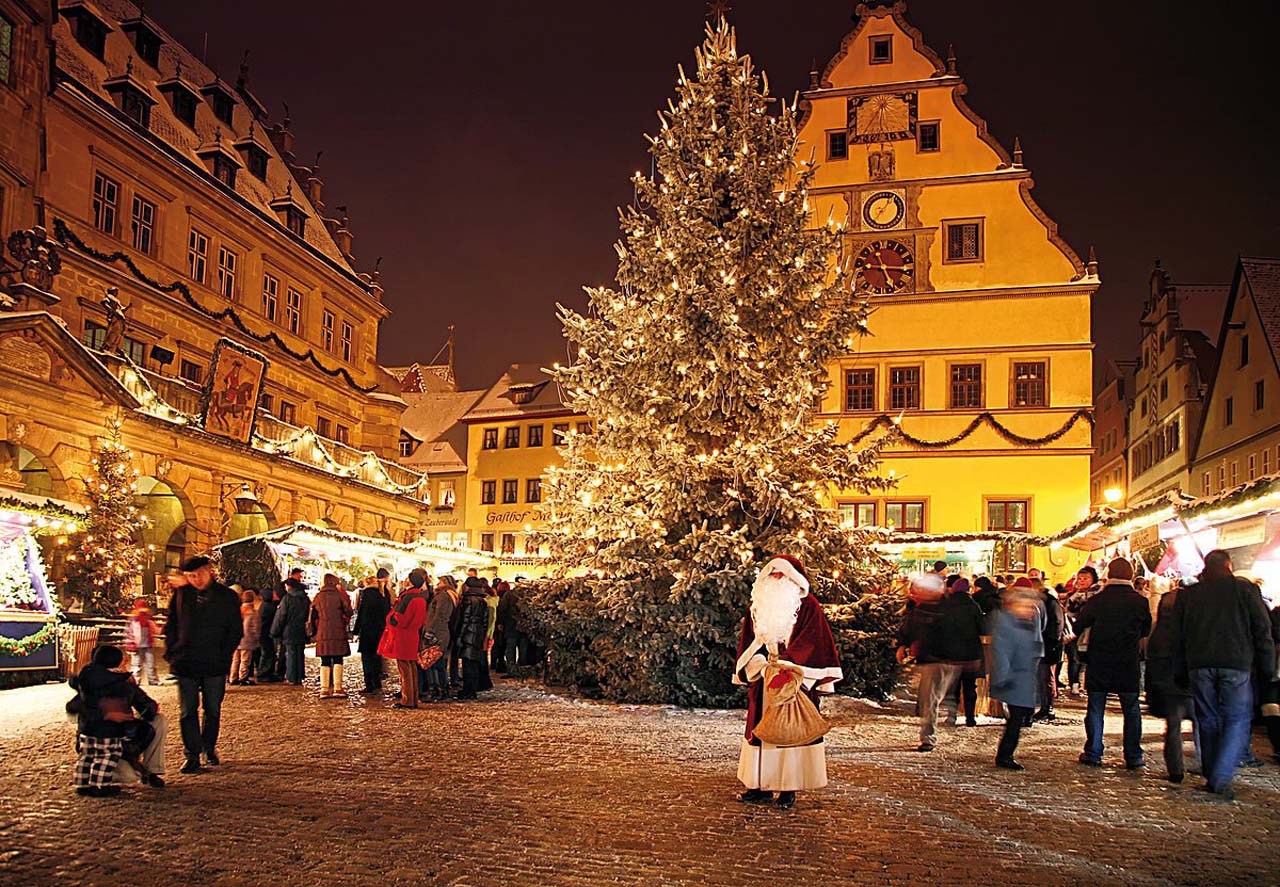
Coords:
1144,538
1237,534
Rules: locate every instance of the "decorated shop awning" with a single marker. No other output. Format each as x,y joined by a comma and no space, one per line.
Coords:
24,513
1141,524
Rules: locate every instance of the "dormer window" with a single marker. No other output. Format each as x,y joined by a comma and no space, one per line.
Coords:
90,31
146,41
882,49
224,170
524,393
222,161
221,101
131,96
254,155
183,98
295,220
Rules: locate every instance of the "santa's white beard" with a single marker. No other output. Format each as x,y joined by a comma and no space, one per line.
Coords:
774,605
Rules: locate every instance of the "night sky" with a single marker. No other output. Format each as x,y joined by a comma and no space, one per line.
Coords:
482,147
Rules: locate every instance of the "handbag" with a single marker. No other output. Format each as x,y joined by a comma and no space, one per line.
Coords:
429,651
790,718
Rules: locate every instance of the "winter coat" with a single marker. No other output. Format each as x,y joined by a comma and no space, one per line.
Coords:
290,623
140,632
508,614
1052,628
267,617
101,691
948,630
202,631
1222,623
1017,646
372,608
474,631
987,598
439,615
252,623
492,600
401,638
1162,688
1117,618
330,615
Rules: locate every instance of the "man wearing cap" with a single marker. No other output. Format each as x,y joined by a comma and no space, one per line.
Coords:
787,624
1117,618
201,635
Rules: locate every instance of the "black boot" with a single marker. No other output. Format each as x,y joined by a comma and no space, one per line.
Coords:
755,796
786,800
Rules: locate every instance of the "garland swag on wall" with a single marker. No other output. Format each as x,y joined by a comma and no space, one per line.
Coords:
886,421
67,237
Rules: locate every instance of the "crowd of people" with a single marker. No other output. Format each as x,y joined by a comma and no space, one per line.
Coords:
1208,656
445,637
1210,659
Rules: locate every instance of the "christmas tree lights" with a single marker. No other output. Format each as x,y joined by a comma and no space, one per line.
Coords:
105,561
704,367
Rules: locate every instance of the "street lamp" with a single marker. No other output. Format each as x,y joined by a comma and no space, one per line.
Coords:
1112,495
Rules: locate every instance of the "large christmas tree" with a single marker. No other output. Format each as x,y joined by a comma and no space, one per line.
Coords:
104,566
702,371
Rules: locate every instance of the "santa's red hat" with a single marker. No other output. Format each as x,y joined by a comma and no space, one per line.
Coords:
789,567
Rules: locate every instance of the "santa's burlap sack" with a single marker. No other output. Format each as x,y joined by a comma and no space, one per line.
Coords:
789,717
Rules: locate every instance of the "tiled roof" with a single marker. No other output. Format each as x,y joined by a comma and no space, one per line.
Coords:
1263,276
498,401
90,73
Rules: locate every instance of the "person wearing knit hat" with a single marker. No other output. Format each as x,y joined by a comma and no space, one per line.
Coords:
1117,619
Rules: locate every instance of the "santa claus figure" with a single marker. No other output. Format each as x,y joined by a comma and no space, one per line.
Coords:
787,625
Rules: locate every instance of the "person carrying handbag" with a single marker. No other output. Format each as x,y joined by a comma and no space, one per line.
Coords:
402,639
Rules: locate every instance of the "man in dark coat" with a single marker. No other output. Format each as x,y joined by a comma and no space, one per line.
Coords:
473,636
201,635
267,659
1052,652
1223,634
945,638
1165,698
1117,619
372,608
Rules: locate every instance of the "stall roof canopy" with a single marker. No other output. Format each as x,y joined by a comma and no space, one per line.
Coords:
12,500
1111,525
311,536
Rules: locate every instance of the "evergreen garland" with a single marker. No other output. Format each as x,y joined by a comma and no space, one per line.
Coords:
32,642
891,423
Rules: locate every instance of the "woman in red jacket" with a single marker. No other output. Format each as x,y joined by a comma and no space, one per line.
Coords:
400,640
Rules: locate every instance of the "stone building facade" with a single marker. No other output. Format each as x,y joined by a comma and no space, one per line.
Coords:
981,327
183,227
1109,467
1176,360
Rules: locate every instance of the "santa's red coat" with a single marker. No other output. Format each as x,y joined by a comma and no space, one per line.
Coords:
812,646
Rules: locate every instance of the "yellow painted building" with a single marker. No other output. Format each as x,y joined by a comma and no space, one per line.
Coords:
980,332
511,434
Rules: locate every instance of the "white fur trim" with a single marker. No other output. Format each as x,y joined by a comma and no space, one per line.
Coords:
787,569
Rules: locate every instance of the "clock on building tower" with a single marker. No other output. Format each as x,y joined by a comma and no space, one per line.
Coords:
882,267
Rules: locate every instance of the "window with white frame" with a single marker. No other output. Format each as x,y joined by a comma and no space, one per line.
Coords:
270,296
345,341
293,311
197,255
142,218
327,320
227,262
106,203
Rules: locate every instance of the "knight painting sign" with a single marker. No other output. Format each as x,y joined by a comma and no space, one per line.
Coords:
231,395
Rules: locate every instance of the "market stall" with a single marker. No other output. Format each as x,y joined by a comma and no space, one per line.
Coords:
263,560
28,609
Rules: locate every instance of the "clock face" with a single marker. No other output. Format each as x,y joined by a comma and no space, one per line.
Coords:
884,209
883,266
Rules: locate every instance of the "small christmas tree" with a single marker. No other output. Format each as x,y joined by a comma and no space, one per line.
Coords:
702,372
105,562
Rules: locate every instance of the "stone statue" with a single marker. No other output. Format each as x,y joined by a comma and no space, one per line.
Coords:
38,256
113,342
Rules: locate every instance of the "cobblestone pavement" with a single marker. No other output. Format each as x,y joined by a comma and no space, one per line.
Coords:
530,788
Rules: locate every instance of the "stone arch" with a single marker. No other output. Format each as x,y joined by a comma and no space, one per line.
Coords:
258,518
171,528
30,468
